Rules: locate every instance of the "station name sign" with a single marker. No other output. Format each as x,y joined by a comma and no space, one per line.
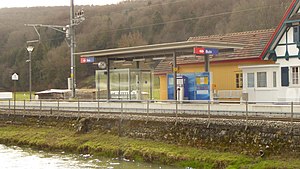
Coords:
205,51
84,60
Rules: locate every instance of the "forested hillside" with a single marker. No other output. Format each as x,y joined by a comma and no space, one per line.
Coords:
126,24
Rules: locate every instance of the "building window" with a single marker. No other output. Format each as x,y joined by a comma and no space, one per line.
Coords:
261,79
295,75
274,79
239,80
296,34
250,79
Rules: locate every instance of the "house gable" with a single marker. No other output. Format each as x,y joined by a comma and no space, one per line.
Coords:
282,43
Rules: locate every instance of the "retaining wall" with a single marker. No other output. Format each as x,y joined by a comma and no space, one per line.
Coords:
254,137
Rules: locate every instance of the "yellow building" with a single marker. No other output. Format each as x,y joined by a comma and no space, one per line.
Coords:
227,82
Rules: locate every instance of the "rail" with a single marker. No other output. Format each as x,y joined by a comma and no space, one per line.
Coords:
278,111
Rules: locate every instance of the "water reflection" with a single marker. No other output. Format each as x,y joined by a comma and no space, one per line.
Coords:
18,158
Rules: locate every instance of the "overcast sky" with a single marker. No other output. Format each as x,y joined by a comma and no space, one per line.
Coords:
30,3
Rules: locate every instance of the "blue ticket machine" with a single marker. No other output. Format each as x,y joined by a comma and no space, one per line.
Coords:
203,86
182,87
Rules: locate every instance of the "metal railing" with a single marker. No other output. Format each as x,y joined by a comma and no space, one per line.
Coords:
278,111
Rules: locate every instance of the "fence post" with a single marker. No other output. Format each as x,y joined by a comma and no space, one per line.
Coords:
209,112
14,103
292,116
9,106
78,107
40,106
148,106
247,111
121,119
176,111
58,105
24,106
292,112
98,106
122,107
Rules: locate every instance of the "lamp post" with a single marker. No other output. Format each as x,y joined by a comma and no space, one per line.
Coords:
29,49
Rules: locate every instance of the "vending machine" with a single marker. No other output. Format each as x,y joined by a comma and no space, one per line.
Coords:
191,86
182,87
203,88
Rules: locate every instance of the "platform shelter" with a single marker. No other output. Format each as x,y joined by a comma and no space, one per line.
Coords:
127,73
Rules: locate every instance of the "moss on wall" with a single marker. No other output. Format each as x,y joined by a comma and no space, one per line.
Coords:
188,143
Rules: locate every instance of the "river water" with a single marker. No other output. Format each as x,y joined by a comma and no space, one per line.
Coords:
19,158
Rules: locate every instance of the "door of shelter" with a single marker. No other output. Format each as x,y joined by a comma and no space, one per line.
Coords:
125,84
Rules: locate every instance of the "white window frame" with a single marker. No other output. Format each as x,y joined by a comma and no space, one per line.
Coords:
252,80
262,83
295,76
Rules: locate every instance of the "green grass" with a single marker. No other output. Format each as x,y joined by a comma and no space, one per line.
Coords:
98,143
24,95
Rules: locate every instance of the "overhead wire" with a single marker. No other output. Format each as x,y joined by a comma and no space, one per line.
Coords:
152,5
185,19
148,6
192,18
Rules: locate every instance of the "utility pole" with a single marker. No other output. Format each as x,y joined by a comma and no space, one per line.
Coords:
72,49
69,31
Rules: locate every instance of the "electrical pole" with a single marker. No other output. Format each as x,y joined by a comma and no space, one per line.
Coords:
69,31
72,49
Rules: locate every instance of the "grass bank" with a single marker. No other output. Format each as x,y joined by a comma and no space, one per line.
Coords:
100,144
20,96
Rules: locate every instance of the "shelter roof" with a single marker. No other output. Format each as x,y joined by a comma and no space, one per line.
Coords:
159,49
254,42
153,53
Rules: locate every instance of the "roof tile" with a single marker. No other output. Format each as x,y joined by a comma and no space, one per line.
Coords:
254,41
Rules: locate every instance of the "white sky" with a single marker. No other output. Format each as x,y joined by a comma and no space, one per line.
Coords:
30,3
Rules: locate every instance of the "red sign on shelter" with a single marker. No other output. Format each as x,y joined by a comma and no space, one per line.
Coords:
83,60
199,51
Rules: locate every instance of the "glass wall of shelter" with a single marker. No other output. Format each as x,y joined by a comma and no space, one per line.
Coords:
125,84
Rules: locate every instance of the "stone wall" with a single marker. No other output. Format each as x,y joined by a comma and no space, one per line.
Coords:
252,137
256,137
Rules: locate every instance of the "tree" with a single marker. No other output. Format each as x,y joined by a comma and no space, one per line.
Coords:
130,23
132,39
158,22
252,15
